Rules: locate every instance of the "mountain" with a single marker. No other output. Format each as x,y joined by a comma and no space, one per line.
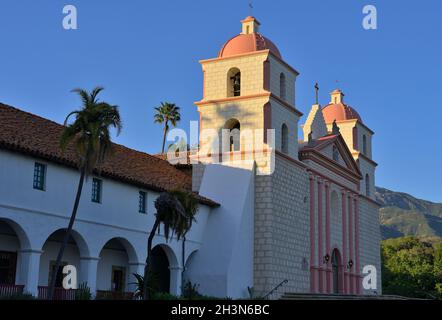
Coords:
402,214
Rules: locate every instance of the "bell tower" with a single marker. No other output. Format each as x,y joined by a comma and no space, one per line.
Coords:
249,86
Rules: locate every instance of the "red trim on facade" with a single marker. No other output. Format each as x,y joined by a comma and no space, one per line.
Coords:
332,180
344,239
327,236
326,163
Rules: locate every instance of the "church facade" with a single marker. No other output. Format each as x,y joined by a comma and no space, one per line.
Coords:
315,217
299,212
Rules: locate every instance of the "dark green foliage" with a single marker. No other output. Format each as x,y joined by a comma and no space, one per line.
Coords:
190,291
412,267
83,292
18,296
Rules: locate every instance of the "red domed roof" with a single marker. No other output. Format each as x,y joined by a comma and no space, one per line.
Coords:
245,43
339,112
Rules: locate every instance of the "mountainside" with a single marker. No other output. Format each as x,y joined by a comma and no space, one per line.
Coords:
402,214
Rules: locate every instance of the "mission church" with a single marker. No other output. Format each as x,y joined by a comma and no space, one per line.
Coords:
305,221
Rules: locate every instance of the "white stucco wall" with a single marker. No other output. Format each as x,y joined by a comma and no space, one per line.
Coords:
35,215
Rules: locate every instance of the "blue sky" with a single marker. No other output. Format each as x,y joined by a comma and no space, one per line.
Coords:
144,52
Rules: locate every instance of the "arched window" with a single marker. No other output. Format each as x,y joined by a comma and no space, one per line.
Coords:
234,136
364,144
284,138
335,154
282,86
367,185
234,83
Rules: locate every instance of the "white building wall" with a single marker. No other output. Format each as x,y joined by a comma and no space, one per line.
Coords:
37,214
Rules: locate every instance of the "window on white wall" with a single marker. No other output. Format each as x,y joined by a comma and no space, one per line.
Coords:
282,86
284,138
142,202
97,185
39,176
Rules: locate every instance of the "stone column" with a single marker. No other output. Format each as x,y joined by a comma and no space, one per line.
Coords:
29,270
320,242
313,287
344,241
88,273
175,280
357,262
327,237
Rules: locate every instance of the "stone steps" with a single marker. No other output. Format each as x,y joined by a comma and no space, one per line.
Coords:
308,296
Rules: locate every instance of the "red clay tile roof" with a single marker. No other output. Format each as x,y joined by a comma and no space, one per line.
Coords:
36,136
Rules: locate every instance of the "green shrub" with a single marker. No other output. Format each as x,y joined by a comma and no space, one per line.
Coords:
163,296
18,296
83,292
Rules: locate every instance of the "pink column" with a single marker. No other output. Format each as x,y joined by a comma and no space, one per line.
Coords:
313,287
327,236
350,241
344,241
357,262
320,242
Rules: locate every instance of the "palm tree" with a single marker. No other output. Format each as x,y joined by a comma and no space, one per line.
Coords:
165,113
175,210
90,136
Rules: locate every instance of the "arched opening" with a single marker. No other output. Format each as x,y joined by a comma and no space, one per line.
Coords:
10,246
234,135
364,144
336,273
284,138
76,247
367,185
234,83
282,86
160,270
113,272
335,154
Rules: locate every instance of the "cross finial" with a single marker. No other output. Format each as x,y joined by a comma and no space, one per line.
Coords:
317,92
250,8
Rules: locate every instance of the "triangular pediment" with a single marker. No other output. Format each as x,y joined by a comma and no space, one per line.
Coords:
334,149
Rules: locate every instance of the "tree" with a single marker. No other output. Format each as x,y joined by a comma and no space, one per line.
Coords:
167,113
90,137
176,212
411,267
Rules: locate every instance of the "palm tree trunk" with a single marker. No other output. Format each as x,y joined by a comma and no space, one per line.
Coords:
67,234
166,126
148,266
